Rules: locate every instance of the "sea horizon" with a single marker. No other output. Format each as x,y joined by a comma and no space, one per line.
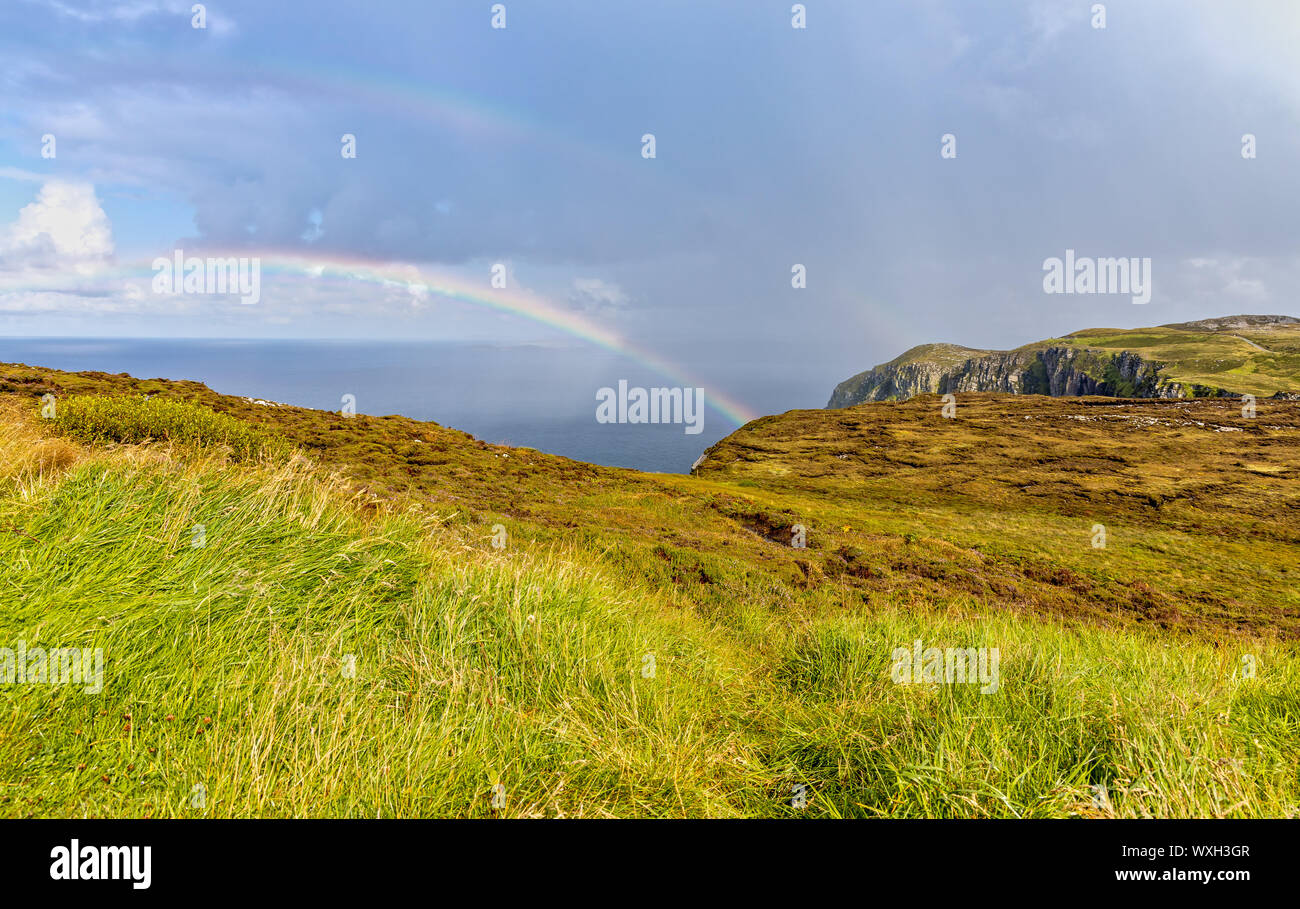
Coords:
487,389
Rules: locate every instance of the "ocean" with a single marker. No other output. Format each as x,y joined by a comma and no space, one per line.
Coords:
535,396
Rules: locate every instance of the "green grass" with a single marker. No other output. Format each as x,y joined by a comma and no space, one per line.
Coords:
229,666
1259,360
127,418
1210,359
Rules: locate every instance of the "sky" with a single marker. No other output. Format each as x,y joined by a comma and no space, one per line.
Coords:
523,148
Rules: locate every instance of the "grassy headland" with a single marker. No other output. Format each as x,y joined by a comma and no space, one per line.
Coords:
347,640
1224,357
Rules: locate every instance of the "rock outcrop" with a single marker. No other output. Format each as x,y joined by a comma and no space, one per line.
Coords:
1098,362
1052,371
1234,323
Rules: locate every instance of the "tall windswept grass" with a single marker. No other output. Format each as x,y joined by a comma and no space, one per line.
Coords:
134,419
311,660
27,457
302,656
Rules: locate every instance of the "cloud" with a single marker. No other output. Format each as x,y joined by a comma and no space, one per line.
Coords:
17,173
1254,284
200,141
594,294
127,11
64,228
1049,19
100,12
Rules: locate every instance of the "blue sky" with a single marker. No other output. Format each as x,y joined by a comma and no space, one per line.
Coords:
774,146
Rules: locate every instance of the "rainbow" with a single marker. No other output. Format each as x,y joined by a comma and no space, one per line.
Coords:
447,285
461,112
421,280
467,116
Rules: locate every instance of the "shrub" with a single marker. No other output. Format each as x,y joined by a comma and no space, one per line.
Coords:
127,418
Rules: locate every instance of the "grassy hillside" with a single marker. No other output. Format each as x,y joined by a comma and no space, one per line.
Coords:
1259,359
938,354
348,641
1257,355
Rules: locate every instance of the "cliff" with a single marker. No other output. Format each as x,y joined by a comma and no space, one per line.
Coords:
1210,358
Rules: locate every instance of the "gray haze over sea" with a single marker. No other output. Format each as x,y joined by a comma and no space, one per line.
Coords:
535,396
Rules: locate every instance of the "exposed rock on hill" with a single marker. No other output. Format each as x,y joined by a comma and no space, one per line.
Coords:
1221,357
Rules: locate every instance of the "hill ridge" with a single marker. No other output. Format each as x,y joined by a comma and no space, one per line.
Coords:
1227,356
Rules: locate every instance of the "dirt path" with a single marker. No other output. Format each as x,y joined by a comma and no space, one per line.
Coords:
1251,343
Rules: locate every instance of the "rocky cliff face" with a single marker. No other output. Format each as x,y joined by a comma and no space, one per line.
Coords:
1221,357
1046,371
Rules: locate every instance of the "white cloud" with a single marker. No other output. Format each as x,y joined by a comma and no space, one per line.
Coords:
65,228
16,173
1230,284
1049,19
597,293
131,11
